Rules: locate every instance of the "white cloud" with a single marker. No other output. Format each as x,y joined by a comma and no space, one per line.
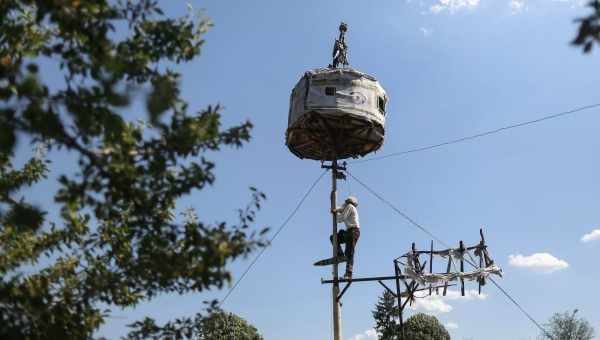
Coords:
453,5
451,325
574,3
433,304
371,333
426,31
543,262
517,6
436,304
368,334
470,294
594,235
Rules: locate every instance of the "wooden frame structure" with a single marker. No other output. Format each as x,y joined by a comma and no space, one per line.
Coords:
411,275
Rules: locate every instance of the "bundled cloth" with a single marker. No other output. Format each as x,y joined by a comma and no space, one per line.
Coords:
436,278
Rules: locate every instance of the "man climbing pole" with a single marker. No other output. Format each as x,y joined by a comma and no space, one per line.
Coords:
347,214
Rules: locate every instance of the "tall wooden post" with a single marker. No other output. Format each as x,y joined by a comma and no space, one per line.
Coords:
335,291
462,267
399,297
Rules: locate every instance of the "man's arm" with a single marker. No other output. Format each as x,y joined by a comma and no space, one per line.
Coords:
339,213
343,213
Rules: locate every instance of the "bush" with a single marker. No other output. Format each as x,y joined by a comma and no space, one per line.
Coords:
425,327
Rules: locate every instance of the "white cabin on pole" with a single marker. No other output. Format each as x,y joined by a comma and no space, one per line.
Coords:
336,113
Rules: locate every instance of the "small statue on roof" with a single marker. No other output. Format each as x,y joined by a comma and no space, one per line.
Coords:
340,49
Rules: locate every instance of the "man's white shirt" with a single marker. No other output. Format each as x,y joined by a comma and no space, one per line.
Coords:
348,215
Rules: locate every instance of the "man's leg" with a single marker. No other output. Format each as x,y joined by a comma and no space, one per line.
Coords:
341,236
352,238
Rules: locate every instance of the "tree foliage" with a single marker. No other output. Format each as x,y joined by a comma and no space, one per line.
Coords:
567,326
217,325
117,242
425,327
386,316
589,28
418,327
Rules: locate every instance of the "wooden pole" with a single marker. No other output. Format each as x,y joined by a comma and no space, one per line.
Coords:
431,266
447,271
480,279
462,267
399,297
335,290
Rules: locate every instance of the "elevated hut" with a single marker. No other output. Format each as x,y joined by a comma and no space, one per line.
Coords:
336,112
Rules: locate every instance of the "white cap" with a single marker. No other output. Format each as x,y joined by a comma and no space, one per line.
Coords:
353,200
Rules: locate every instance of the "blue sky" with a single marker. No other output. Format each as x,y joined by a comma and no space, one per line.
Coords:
451,68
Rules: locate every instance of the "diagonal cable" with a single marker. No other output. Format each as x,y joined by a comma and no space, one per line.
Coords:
406,217
279,230
479,135
414,223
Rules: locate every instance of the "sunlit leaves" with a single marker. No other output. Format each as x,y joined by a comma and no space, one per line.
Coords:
215,326
24,217
7,131
385,315
425,327
117,241
162,97
589,28
568,326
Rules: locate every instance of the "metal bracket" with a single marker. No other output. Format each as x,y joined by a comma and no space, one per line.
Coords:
341,167
339,297
388,289
339,170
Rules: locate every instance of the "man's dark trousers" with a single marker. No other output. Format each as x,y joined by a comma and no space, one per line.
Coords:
349,237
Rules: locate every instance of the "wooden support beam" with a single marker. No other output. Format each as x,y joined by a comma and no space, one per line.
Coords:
480,279
462,267
387,288
447,271
399,297
431,266
344,290
365,279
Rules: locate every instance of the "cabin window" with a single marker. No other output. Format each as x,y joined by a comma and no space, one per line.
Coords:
330,91
381,104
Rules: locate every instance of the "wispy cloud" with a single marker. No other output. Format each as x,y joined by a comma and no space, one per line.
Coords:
426,31
433,304
543,262
453,5
571,3
368,334
451,325
517,6
594,235
437,304
574,3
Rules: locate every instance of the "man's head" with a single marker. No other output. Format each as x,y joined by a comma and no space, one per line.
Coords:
352,200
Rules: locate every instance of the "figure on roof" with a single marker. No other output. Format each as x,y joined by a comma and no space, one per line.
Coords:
347,214
340,49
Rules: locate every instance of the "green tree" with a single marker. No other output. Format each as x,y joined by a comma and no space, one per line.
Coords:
589,28
567,326
117,242
425,327
386,316
217,325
